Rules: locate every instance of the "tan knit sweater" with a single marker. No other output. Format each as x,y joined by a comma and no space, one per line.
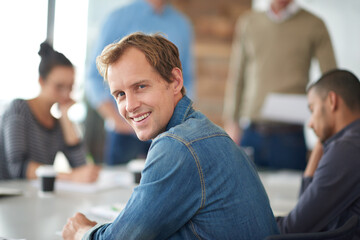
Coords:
273,57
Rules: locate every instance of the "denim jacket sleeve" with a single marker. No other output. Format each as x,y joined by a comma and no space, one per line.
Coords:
169,194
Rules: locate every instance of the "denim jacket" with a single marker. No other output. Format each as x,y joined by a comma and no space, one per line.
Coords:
196,184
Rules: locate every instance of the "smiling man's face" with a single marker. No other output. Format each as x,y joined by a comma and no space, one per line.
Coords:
145,100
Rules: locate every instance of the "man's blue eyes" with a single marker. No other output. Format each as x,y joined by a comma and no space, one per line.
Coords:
120,94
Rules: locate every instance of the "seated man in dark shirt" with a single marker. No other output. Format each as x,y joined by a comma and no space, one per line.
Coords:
330,191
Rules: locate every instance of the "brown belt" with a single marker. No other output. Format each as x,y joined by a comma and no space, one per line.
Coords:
275,127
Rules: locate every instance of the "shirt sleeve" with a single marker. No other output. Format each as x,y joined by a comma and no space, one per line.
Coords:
330,193
305,182
15,147
188,64
168,196
96,89
235,81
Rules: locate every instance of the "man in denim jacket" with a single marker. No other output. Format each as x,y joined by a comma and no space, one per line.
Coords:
196,183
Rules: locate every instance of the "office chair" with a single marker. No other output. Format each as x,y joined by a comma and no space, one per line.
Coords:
345,232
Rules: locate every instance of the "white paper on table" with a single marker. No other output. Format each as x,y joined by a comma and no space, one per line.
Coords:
107,180
106,212
288,108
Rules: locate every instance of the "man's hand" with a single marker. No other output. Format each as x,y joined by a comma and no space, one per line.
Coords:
76,227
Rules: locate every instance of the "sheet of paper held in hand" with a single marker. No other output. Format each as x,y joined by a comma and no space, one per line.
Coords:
288,108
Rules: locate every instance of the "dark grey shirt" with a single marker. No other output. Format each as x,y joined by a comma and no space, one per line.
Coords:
23,138
329,198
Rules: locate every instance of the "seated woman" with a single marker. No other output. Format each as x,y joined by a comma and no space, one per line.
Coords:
30,136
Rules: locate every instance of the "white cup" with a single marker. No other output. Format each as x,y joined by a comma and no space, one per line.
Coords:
47,175
136,166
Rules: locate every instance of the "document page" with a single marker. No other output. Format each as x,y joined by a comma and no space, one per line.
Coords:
287,108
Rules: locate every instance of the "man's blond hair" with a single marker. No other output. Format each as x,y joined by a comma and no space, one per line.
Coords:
162,54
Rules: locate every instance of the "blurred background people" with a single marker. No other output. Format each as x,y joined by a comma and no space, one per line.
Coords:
272,53
330,191
148,16
30,136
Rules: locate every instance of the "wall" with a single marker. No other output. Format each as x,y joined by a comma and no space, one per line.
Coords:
214,23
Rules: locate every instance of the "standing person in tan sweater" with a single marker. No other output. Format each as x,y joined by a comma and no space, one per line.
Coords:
272,53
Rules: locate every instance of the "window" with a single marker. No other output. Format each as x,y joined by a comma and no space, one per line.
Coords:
24,26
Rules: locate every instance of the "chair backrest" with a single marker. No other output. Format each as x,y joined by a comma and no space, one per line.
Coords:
345,232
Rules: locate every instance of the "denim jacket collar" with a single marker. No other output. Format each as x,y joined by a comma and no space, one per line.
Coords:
182,110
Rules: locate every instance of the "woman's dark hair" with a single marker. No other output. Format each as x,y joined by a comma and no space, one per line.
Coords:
51,59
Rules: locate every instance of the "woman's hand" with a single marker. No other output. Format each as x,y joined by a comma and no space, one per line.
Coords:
88,173
65,106
85,174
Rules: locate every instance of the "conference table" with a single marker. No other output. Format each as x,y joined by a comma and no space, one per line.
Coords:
29,215
26,214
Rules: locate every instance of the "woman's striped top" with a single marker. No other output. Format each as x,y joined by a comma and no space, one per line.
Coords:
23,138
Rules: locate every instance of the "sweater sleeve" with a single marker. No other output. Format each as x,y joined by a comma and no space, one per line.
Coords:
14,145
76,155
235,81
332,190
324,51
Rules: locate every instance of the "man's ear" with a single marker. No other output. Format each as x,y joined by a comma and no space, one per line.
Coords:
177,78
333,99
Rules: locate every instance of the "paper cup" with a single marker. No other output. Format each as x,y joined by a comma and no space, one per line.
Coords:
46,175
136,166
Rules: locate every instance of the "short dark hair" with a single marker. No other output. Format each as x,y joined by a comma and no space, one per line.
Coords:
51,59
162,54
342,82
